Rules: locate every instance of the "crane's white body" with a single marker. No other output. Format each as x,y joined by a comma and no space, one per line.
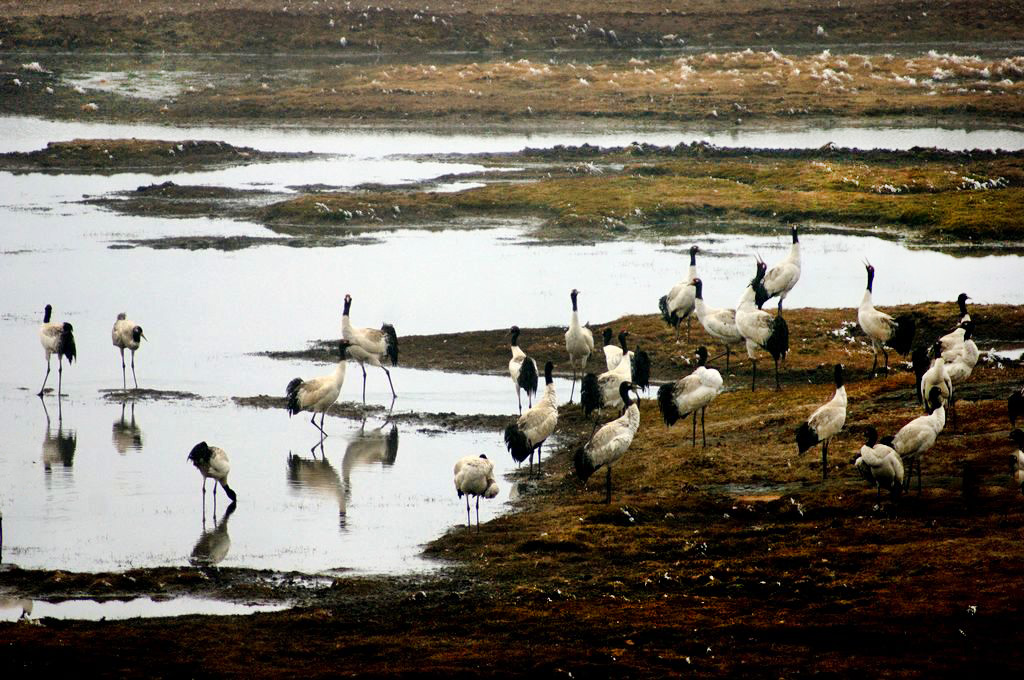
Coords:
718,322
937,376
880,465
917,437
579,344
613,439
474,476
515,366
697,390
126,335
369,346
780,279
961,367
755,325
610,380
539,422
317,395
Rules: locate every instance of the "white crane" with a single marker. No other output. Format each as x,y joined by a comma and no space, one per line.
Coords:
370,346
608,444
57,338
1017,458
678,304
690,394
212,462
317,395
882,329
825,423
880,465
523,370
474,476
532,428
919,435
719,323
127,335
780,279
761,330
579,343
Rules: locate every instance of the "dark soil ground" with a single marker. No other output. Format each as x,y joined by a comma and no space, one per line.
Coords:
735,559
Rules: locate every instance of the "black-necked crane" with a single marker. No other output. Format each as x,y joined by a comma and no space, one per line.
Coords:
57,338
599,391
579,343
959,369
880,465
718,322
317,477
370,346
953,341
678,304
640,369
760,330
523,370
883,330
689,394
936,376
127,335
212,462
613,353
919,435
1015,405
825,423
608,444
1017,458
474,476
317,395
781,278
532,428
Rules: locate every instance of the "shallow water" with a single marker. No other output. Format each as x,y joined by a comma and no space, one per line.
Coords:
108,487
102,490
14,609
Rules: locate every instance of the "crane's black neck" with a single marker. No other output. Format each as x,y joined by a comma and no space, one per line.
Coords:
961,301
548,369
607,335
622,341
693,257
699,285
348,306
839,376
47,311
871,278
573,296
796,239
872,436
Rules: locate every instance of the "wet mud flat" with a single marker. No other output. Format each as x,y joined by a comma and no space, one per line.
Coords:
952,200
99,156
738,558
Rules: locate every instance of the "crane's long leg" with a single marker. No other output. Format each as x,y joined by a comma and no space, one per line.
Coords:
693,439
886,355
42,389
874,364
824,459
60,376
390,384
608,485
778,387
753,378
364,382
519,398
703,434
124,379
573,390
478,513
133,368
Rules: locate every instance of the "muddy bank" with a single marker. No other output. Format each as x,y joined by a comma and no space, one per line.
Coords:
109,156
430,423
818,339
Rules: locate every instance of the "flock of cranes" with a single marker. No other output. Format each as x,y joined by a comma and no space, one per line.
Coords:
940,368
